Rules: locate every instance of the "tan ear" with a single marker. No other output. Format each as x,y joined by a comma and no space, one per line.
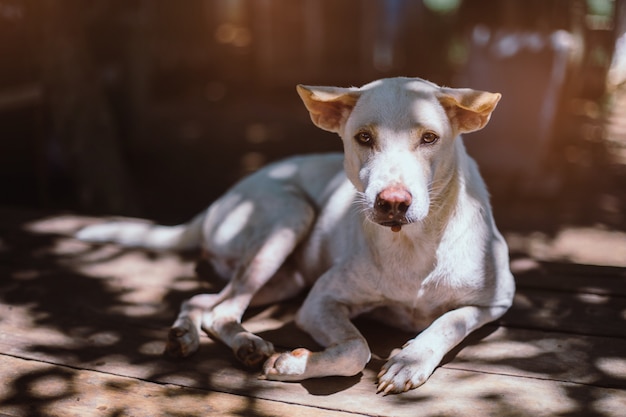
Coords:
329,106
469,110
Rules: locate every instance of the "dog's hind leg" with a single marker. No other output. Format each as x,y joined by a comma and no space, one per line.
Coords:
183,338
220,314
263,280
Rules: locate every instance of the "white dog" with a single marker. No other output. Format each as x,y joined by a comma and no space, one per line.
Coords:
399,227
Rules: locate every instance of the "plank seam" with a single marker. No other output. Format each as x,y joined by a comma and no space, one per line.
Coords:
506,325
537,378
161,383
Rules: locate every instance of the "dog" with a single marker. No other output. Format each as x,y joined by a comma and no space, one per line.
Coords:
399,227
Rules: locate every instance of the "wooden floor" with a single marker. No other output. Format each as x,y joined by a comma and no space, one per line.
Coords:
82,331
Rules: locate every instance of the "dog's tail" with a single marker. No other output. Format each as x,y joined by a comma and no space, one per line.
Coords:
142,234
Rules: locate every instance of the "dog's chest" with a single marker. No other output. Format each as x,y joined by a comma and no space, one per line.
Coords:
411,272
412,303
415,284
401,257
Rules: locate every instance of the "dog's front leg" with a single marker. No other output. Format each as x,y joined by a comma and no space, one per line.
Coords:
327,320
419,357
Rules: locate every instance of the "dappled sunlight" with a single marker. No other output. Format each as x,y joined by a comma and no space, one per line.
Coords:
502,349
107,314
283,171
140,278
492,395
235,221
593,299
43,389
58,224
154,108
45,386
26,318
542,355
613,366
586,245
609,405
101,313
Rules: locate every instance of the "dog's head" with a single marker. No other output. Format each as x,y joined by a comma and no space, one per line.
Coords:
399,139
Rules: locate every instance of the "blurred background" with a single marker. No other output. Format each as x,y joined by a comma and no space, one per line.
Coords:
153,108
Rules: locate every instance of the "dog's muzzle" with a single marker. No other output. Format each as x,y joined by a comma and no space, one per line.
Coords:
391,206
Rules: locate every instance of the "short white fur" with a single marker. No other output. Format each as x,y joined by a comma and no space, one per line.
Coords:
439,267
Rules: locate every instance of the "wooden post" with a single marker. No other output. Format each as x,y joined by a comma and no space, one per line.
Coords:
82,122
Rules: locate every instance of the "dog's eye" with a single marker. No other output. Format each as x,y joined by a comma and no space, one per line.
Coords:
364,138
429,137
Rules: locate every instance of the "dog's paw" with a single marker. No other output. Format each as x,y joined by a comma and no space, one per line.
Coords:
183,339
406,371
252,350
287,366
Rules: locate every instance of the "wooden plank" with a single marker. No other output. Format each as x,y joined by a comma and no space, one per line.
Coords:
589,279
583,313
597,361
114,290
33,388
135,285
590,271
506,363
526,353
104,310
511,351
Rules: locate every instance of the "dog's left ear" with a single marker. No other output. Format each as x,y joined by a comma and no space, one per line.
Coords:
329,106
469,110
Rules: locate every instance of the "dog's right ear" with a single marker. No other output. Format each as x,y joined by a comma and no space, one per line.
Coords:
329,107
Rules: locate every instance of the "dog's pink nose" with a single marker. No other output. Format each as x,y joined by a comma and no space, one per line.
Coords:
393,202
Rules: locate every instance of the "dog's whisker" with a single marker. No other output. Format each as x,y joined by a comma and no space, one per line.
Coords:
359,204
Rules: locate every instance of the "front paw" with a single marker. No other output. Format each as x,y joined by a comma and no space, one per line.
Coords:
406,371
287,366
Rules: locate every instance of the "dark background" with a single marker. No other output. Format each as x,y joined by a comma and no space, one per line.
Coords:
153,108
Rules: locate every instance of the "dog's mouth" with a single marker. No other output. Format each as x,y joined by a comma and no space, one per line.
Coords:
395,225
394,221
